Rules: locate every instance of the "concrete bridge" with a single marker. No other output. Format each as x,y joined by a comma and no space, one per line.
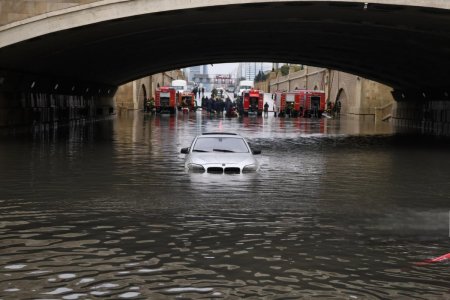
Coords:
82,47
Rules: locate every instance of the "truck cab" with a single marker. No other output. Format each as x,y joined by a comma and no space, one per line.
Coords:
186,101
165,100
252,102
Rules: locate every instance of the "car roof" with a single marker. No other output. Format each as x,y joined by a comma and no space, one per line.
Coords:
219,134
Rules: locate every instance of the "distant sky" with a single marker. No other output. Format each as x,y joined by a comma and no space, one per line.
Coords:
230,68
222,68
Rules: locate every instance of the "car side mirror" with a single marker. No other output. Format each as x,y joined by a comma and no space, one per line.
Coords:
256,151
185,150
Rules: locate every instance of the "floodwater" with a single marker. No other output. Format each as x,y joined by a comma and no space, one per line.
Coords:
341,209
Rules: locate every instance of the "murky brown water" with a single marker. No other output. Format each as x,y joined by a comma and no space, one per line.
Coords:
340,209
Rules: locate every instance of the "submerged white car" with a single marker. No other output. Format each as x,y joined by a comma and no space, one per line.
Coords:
220,153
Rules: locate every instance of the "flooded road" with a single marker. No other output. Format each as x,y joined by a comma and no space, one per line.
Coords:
341,209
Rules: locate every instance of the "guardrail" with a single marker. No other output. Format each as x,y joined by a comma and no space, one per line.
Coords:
384,113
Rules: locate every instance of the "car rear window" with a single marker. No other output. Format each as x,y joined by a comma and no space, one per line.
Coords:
220,144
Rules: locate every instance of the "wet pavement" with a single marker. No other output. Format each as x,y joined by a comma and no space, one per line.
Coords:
341,209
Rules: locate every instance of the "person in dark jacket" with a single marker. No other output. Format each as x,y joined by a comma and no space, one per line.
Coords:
266,110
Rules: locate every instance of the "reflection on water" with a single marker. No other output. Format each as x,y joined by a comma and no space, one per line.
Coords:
340,208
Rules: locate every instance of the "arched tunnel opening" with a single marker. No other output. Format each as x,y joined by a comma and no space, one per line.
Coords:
92,59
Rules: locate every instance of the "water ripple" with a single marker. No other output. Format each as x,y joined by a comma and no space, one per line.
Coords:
107,211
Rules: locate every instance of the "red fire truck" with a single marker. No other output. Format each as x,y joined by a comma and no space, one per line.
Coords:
300,103
165,99
312,103
186,101
252,102
279,104
288,103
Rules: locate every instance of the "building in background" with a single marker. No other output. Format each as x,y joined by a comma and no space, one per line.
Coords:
210,81
203,81
194,71
249,70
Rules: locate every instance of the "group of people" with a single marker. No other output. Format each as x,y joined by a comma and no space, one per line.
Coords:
334,109
149,104
217,105
198,91
338,108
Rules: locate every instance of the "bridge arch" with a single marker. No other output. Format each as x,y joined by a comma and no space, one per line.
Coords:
345,103
115,41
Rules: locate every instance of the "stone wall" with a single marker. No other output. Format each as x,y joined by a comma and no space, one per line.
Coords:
262,85
124,96
358,96
131,95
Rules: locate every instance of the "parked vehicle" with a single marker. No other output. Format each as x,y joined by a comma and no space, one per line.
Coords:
291,103
179,85
230,88
220,153
280,102
244,85
312,103
165,100
186,101
252,102
304,103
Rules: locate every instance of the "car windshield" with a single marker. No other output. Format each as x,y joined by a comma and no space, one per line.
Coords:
220,144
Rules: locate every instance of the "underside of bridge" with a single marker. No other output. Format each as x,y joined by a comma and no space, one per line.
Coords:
404,47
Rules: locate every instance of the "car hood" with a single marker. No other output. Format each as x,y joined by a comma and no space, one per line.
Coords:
222,158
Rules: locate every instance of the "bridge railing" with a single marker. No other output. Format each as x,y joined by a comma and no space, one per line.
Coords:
384,112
